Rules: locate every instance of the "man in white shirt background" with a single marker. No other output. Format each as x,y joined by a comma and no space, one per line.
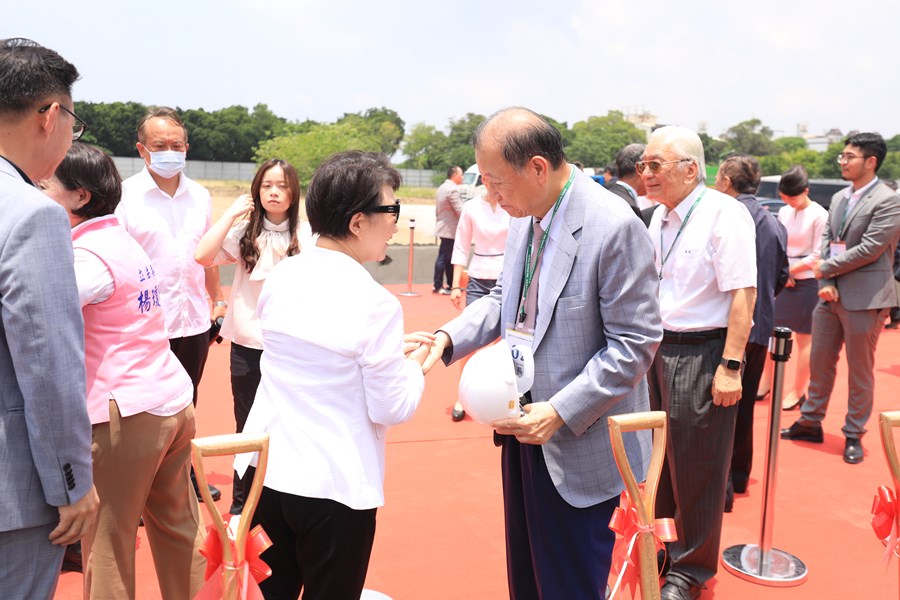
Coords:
168,213
705,246
448,206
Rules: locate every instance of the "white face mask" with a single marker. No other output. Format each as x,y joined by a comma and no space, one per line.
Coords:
167,164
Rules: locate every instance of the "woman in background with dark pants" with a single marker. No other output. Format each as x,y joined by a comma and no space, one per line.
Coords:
256,232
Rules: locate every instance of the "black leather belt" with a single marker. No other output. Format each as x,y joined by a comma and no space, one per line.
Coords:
693,337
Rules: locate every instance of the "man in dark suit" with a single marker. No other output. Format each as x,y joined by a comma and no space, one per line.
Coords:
586,303
47,498
856,291
629,186
739,176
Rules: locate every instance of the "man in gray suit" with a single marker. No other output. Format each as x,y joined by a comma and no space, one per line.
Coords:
47,498
586,303
856,292
447,208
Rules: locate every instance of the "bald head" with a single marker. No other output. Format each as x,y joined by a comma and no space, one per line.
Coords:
521,135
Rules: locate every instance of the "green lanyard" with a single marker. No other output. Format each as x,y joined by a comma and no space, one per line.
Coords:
677,235
531,268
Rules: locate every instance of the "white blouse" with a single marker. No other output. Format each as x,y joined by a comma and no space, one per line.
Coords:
241,323
486,228
804,230
334,377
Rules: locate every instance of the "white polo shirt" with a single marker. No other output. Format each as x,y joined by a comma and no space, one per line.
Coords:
169,228
714,255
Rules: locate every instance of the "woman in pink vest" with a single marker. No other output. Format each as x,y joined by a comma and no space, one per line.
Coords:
139,396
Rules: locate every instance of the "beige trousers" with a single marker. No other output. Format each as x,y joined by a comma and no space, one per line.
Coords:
142,468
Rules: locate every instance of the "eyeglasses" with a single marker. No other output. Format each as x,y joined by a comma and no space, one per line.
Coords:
656,166
393,209
844,157
78,127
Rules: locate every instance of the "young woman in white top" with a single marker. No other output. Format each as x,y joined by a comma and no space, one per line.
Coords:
805,222
336,373
271,231
486,225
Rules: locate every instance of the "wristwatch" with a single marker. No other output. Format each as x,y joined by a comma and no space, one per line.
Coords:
731,364
220,303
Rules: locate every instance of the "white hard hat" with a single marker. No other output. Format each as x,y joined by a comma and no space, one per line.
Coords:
493,380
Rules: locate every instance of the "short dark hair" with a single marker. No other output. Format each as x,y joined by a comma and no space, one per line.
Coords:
627,157
453,171
248,247
533,137
345,184
90,168
31,74
611,169
160,112
794,181
744,172
871,144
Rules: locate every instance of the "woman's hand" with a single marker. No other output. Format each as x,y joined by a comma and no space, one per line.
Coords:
415,341
456,298
242,206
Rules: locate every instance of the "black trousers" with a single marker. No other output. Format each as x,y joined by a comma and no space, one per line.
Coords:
443,268
192,352
245,377
319,546
742,457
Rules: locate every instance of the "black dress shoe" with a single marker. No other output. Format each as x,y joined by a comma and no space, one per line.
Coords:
458,415
72,559
853,451
676,590
803,433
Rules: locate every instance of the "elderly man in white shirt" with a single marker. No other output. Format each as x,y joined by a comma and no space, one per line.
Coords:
167,213
705,244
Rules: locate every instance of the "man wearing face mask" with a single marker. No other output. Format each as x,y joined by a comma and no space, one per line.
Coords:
168,213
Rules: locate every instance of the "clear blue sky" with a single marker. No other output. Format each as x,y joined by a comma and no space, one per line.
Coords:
824,63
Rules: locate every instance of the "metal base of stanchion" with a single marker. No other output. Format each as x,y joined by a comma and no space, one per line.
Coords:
783,569
408,294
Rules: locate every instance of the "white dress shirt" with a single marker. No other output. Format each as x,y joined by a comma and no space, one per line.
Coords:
487,229
169,228
333,378
804,231
714,255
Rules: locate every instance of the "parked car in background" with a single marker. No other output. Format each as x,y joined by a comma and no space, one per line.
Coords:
471,185
820,190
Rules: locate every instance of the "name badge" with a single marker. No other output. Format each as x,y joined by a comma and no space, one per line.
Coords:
838,248
520,338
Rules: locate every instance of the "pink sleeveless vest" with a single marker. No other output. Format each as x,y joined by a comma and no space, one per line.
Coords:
126,345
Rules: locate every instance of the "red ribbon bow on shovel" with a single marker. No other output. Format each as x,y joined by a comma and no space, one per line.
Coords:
625,522
249,572
884,522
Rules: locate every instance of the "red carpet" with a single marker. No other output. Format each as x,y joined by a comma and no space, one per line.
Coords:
440,533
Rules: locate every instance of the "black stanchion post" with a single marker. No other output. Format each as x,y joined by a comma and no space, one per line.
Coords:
762,563
409,267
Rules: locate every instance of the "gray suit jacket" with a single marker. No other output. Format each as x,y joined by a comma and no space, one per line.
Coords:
864,273
597,330
447,208
45,433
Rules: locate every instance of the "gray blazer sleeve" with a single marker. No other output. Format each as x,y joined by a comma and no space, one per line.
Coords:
44,330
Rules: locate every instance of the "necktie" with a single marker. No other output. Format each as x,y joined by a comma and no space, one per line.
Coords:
532,295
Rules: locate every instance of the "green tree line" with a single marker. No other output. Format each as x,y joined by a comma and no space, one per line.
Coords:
241,134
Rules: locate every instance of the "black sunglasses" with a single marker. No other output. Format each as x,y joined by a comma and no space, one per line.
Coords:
393,209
